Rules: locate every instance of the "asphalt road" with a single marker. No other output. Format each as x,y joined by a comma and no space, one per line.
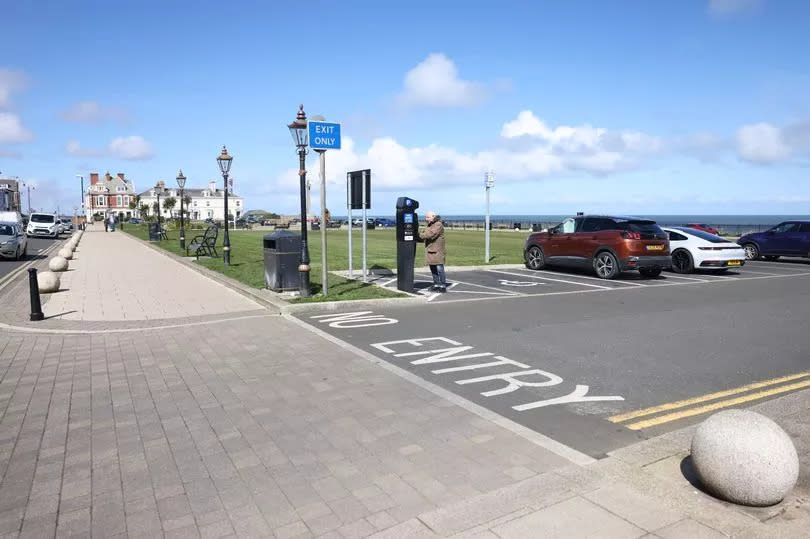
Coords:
597,352
36,246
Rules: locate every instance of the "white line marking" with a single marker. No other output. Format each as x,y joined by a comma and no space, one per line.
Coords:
759,272
499,290
577,276
541,440
386,283
669,276
553,280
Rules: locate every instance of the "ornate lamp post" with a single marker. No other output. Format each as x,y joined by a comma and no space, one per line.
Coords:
224,162
300,135
157,214
181,182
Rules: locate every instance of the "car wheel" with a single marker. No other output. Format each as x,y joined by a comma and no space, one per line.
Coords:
682,261
606,266
17,254
751,251
650,273
770,258
535,259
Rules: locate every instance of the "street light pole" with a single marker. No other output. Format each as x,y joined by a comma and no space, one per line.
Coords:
224,160
300,134
28,186
489,182
157,215
181,181
83,210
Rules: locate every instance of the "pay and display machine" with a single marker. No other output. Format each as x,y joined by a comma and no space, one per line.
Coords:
407,237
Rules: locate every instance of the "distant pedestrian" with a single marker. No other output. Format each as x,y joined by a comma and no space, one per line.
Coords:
433,237
112,223
106,225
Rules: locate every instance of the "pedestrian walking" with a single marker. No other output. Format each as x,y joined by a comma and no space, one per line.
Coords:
433,237
112,222
106,225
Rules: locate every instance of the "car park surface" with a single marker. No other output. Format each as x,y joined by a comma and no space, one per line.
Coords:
595,364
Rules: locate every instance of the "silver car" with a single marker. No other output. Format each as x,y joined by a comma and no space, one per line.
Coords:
13,243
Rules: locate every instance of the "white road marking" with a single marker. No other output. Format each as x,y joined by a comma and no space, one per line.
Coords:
669,276
577,276
506,282
386,283
759,272
553,280
500,290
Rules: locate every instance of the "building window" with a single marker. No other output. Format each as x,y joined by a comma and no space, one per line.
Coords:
126,201
208,203
206,193
195,203
237,202
210,213
100,201
118,201
121,189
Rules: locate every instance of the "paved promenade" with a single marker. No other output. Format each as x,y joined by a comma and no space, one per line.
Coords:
259,427
115,277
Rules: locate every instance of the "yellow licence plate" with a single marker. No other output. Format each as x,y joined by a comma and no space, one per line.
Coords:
655,247
733,263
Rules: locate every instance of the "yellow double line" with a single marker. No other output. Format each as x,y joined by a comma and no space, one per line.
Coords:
687,403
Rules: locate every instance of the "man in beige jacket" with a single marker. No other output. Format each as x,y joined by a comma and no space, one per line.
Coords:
433,236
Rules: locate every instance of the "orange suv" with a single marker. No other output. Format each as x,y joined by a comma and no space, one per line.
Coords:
609,245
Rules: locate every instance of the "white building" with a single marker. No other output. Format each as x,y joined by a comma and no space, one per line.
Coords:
203,204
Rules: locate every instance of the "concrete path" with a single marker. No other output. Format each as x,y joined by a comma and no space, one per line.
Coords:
114,277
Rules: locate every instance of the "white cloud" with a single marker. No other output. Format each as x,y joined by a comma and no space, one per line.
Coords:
132,148
12,130
435,82
10,82
762,143
529,150
90,112
74,148
726,8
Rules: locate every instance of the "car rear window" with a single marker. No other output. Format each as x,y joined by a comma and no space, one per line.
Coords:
704,235
648,229
41,218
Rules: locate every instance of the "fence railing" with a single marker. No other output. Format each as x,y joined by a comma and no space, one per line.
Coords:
508,224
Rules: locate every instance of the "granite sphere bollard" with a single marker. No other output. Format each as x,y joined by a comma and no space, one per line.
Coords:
745,458
66,253
48,282
58,263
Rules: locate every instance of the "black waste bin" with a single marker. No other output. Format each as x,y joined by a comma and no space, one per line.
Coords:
537,227
516,226
282,253
154,232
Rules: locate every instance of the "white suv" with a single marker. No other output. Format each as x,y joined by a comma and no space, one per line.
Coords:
42,224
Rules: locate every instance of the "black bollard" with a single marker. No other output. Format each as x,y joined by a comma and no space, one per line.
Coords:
33,286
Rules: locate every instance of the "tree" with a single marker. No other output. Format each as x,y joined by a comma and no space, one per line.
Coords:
169,203
144,209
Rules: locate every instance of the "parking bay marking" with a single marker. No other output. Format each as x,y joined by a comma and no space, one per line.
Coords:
577,276
549,279
689,412
499,290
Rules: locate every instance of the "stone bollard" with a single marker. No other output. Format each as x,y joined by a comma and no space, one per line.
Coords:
66,253
58,263
48,282
745,458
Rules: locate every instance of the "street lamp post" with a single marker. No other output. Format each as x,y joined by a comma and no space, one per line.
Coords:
29,187
157,212
224,161
489,182
181,182
300,134
83,210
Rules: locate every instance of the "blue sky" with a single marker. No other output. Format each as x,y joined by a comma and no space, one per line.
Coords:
646,107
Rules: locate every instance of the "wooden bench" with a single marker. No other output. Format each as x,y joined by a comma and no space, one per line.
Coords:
163,235
205,244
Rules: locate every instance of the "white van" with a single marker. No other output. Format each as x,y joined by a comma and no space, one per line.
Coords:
42,224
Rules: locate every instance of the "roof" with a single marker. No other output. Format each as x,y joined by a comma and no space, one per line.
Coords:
617,217
189,192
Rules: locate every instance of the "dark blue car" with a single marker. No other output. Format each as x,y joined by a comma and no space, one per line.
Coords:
791,238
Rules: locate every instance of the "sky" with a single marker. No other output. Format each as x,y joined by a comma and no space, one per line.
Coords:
620,106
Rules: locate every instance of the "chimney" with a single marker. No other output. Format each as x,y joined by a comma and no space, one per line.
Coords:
107,177
93,178
212,186
162,185
121,175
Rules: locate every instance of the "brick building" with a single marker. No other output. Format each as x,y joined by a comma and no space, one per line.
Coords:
109,195
10,195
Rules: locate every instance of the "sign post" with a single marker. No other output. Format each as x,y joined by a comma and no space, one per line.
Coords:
359,183
489,182
324,136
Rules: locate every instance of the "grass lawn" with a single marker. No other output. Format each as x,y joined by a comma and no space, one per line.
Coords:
464,248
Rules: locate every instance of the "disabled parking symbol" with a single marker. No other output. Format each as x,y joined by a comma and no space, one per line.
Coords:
506,282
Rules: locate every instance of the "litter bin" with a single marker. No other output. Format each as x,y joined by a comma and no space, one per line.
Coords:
537,227
282,253
516,226
154,232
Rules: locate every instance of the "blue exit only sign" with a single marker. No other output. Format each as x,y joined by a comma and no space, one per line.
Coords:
324,136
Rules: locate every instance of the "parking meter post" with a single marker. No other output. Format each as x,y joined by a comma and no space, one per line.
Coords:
365,225
349,212
33,288
324,272
407,235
